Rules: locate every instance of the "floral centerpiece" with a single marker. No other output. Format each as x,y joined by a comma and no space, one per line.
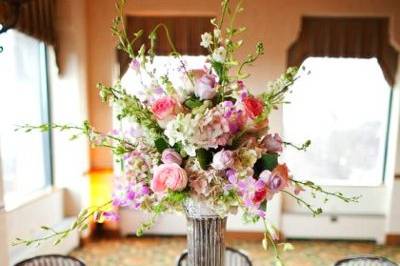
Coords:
206,140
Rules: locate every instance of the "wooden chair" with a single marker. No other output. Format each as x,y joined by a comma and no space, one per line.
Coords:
51,260
365,261
233,257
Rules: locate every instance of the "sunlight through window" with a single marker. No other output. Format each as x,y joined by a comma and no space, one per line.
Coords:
342,106
25,157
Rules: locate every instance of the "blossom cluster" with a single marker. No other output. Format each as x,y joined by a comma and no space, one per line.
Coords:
207,137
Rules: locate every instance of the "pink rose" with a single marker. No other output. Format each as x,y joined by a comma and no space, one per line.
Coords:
205,87
164,108
171,156
253,106
223,159
169,176
273,143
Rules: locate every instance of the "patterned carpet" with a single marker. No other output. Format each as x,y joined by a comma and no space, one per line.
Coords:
162,251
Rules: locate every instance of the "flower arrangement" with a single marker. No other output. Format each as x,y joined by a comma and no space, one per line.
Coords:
208,139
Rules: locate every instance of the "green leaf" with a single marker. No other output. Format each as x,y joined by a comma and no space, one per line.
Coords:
176,197
219,69
178,147
267,162
193,102
204,158
84,227
161,144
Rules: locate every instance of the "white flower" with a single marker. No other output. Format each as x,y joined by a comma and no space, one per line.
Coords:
183,129
217,34
223,159
206,40
219,54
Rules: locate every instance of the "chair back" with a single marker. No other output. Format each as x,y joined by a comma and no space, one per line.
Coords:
233,257
366,261
51,260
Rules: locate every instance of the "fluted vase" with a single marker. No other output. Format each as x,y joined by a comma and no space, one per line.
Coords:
205,235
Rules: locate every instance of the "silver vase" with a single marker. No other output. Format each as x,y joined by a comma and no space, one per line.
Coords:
205,235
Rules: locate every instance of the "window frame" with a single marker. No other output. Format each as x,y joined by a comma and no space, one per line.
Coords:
46,114
387,140
46,118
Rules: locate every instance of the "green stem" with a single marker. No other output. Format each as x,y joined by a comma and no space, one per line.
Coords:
267,237
315,212
174,51
303,147
317,188
224,11
59,235
237,10
83,130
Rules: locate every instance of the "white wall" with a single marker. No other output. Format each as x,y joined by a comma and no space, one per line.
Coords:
25,222
3,230
69,102
394,218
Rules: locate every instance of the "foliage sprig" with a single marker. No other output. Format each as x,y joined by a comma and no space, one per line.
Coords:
116,144
130,107
81,224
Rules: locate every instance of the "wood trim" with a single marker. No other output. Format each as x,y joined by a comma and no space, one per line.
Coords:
249,236
392,240
397,176
241,235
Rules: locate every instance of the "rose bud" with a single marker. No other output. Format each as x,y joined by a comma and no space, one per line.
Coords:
273,143
223,159
171,156
253,106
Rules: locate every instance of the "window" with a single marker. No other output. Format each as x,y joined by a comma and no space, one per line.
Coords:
343,107
26,163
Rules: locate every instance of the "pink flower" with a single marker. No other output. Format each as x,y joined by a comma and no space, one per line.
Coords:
260,195
222,160
199,185
253,106
171,156
110,216
205,87
248,141
169,176
279,178
273,143
298,189
135,65
236,117
164,108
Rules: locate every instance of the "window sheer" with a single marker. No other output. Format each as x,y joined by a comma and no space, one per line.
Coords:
343,107
26,164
